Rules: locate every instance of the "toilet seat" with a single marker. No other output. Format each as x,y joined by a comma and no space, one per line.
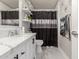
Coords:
39,42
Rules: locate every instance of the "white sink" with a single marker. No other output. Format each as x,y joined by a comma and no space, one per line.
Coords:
13,41
3,49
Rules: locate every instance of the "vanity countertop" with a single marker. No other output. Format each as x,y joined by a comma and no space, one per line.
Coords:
8,43
3,49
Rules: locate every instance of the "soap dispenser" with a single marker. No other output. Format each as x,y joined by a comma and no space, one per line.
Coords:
23,30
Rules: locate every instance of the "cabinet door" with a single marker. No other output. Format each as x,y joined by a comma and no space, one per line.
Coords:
30,49
27,50
23,51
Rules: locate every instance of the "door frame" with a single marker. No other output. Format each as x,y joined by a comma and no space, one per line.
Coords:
74,39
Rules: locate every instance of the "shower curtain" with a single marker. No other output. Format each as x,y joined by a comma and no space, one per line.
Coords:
44,23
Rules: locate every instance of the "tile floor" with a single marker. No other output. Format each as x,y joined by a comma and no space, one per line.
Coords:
50,53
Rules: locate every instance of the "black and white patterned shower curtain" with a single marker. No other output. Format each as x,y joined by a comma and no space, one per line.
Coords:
44,23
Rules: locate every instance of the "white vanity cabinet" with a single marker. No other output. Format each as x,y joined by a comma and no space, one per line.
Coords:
24,50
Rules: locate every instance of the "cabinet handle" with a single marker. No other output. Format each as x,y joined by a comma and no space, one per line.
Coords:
16,57
22,53
33,41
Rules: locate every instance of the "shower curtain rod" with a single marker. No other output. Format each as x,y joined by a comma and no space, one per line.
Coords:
43,9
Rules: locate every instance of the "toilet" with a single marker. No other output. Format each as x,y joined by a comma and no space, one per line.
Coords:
39,44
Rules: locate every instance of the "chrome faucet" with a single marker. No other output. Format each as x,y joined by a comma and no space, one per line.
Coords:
15,32
10,33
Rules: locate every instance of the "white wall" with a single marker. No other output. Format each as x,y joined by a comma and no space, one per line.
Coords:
44,4
3,6
64,43
75,28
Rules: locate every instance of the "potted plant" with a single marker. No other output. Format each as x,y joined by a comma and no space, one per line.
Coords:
30,17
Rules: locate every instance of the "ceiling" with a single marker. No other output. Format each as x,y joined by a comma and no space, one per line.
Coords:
37,4
10,3
44,4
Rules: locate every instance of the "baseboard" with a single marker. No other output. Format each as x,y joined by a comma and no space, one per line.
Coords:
63,53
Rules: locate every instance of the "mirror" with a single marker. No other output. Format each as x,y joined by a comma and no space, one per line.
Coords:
10,14
65,26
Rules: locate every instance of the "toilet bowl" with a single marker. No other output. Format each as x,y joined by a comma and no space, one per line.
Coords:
39,44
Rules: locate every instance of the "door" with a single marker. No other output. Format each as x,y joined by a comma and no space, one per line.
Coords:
74,30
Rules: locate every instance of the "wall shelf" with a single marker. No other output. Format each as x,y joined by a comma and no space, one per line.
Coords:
26,20
24,9
27,11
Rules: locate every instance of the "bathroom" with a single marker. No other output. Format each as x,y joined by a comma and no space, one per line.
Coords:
38,29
